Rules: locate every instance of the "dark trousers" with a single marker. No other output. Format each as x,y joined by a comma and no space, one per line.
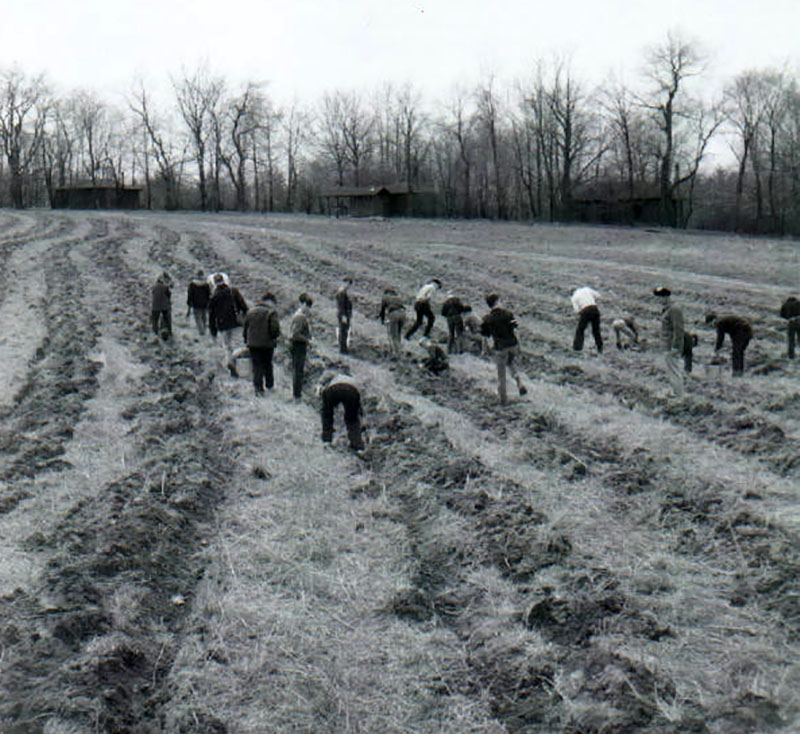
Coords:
455,334
588,315
261,362
740,343
349,397
793,334
298,352
344,330
423,311
688,352
161,320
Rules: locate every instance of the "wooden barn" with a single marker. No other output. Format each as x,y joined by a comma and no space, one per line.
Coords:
96,196
398,200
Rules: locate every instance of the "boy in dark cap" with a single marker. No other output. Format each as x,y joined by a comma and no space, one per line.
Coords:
740,332
344,314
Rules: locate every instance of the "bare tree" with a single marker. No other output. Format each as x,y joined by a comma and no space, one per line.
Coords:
668,66
488,114
24,106
198,98
156,144
296,124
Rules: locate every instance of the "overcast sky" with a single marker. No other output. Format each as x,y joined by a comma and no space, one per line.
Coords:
304,47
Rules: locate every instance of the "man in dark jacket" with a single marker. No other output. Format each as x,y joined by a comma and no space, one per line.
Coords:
198,294
790,310
453,311
341,389
740,332
225,309
161,313
500,324
261,330
344,314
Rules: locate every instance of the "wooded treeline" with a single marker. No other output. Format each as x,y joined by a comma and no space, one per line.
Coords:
545,148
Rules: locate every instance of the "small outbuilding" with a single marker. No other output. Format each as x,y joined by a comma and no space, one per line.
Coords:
400,200
96,196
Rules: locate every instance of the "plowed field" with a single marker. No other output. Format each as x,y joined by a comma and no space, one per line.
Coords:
177,555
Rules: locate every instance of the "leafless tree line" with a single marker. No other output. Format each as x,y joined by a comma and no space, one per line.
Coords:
539,149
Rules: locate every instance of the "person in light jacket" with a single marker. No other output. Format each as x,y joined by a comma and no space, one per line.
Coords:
422,307
393,314
584,303
299,339
672,340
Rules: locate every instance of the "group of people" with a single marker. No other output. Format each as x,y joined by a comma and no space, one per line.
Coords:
677,342
220,309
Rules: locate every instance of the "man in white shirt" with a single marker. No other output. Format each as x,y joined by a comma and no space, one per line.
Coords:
422,307
584,303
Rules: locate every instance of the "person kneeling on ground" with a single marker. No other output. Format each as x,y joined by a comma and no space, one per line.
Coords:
260,331
341,389
626,333
435,360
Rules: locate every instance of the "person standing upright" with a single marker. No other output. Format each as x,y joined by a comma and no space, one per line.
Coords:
671,338
422,307
299,340
584,303
453,310
393,314
198,295
790,310
740,332
161,311
500,325
225,309
344,314
260,331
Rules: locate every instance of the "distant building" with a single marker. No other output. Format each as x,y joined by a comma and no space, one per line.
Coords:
96,196
398,200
